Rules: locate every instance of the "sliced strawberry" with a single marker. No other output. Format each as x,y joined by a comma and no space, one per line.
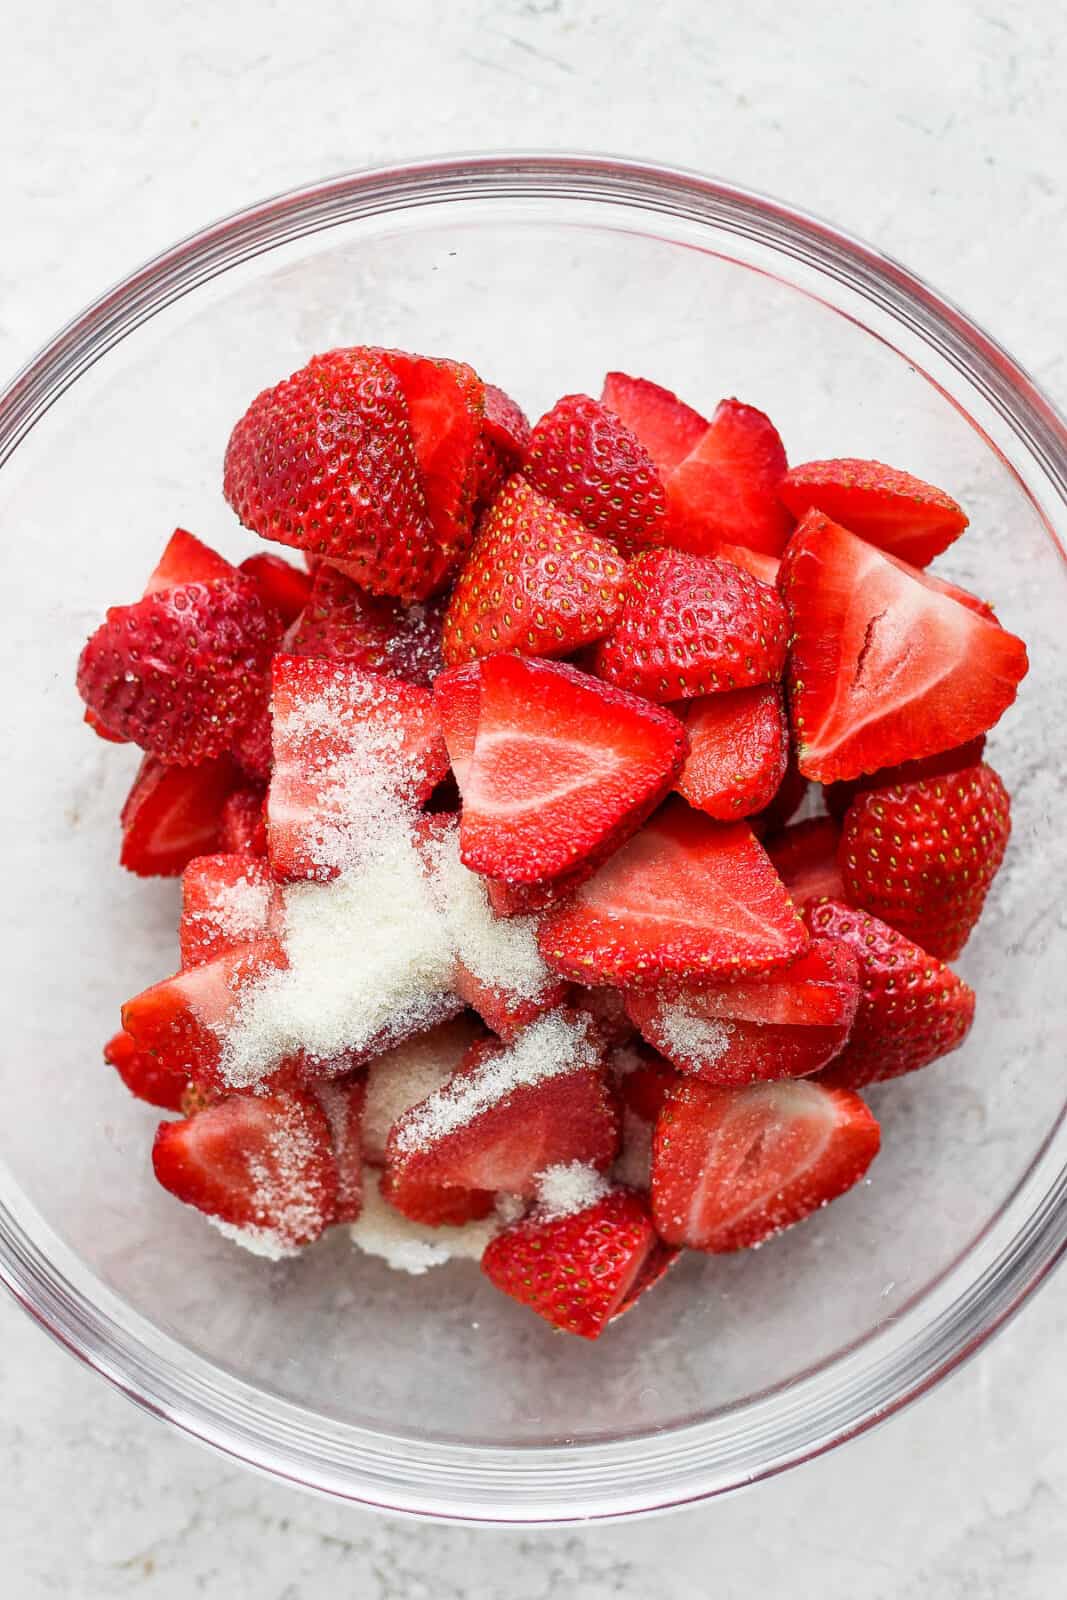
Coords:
761,566
585,458
433,1204
883,668
562,767
839,796
458,697
142,1074
922,855
536,581
172,814
607,1007
685,898
692,625
345,740
912,1008
665,425
225,904
342,622
262,1165
91,720
282,587
500,1008
738,746
186,559
643,1088
732,1167
782,1024
530,899
909,518
787,800
342,1104
726,488
505,424
399,1078
242,823
579,1271
805,858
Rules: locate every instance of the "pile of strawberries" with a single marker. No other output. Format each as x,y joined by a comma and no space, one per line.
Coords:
621,649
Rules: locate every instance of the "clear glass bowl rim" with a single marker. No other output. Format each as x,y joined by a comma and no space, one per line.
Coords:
559,1484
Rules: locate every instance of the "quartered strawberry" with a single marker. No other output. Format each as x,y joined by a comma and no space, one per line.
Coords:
342,1104
344,740
692,625
732,1167
585,458
922,855
883,668
187,559
258,1164
738,747
563,767
761,566
435,1205
665,425
282,587
782,1024
326,461
839,796
805,858
912,1008
343,622
142,1074
536,581
578,1271
726,488
909,518
243,823
685,898
172,814
178,672
225,903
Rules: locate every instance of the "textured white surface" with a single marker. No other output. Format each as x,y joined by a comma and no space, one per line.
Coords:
935,130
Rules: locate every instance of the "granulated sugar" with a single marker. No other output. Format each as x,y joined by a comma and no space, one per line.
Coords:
688,1037
257,1241
236,910
570,1187
402,1077
634,1165
500,952
281,1192
411,1246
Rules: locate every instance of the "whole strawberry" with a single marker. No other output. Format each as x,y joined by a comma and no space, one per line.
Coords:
586,459
922,855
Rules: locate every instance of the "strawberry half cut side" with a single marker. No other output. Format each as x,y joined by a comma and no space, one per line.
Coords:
665,425
172,814
726,488
738,748
889,508
186,559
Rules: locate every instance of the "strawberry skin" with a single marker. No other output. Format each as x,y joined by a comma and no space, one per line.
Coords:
172,814
536,581
726,488
805,858
585,458
665,425
921,855
912,1008
578,1271
884,668
692,625
343,623
899,513
142,1074
733,1167
839,796
738,747
502,444
187,559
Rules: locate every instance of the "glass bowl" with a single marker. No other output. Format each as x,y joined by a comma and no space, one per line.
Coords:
436,1395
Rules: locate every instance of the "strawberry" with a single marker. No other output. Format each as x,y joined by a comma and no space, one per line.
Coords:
579,1271
608,1010
912,1008
433,1204
502,444
954,592
282,587
562,766
225,901
891,509
446,403
727,486
733,1167
187,559
588,461
692,625
258,1164
342,1105
172,814
344,740
536,581
787,799
883,668
143,1075
458,698
665,425
325,461
503,1010
684,899
761,566
530,899
738,746
242,823
805,858
921,855
178,672
643,1088
253,747
91,720
781,1024
343,622
839,796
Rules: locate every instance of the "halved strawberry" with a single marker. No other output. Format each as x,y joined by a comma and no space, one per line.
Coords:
345,740
342,1104
685,898
225,902
187,559
912,1009
536,581
839,796
242,823
732,1167
727,486
579,1271
665,425
262,1166
782,1024
585,458
342,622
172,814
562,766
805,858
883,668
436,1205
142,1074
761,566
282,587
692,625
922,855
889,508
738,746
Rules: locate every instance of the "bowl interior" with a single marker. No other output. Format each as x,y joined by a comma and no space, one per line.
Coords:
542,301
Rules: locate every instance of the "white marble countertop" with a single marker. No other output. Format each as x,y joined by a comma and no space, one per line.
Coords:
937,131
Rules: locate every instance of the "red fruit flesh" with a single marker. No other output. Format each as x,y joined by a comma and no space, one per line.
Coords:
726,488
91,720
225,902
282,587
243,825
761,566
738,746
342,1105
172,814
142,1074
891,509
805,858
665,425
434,1205
186,559
586,460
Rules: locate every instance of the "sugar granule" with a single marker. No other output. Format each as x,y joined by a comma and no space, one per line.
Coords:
567,1188
688,1037
411,1246
634,1164
236,910
262,1242
405,1075
500,952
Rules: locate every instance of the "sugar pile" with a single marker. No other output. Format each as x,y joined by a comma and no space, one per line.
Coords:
570,1187
411,1246
500,952
687,1037
408,1073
